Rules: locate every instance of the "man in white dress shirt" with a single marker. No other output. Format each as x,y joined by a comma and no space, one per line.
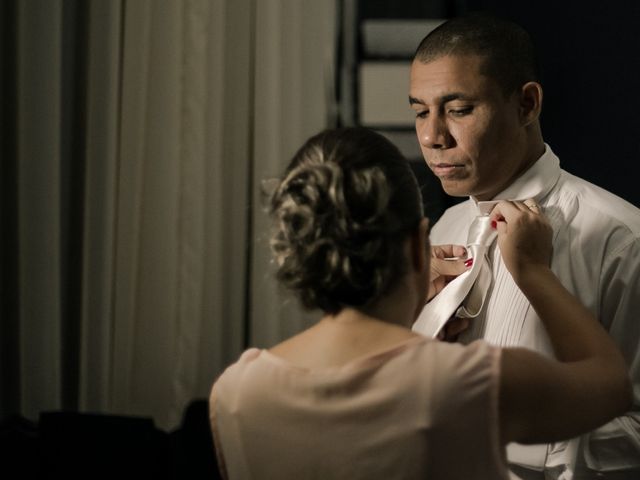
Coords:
477,98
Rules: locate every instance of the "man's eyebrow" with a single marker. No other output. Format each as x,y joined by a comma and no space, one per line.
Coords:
441,100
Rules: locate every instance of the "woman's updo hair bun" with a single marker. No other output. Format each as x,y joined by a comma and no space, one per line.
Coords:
346,201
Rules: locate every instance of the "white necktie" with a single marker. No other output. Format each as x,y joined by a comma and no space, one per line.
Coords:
464,296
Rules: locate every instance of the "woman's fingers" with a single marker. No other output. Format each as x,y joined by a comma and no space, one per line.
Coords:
524,234
448,251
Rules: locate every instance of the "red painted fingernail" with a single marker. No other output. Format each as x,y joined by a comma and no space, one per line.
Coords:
468,263
494,224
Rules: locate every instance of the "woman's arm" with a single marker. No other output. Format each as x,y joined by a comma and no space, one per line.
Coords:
541,399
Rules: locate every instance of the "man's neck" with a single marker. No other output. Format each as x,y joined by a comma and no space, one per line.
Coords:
531,156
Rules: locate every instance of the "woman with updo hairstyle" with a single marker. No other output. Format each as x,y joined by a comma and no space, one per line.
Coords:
345,203
359,395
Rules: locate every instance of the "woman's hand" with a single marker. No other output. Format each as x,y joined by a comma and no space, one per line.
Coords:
524,236
447,262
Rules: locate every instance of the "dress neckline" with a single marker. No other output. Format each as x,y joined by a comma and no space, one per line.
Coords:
366,360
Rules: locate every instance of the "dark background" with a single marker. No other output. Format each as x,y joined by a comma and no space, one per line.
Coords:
590,58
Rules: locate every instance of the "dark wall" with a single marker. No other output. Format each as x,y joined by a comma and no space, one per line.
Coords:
590,55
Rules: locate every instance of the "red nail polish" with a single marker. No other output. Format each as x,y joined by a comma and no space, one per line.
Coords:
494,224
468,262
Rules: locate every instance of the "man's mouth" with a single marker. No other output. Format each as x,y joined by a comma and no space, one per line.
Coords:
445,169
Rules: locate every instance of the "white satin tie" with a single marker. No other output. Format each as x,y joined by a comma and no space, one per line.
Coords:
465,295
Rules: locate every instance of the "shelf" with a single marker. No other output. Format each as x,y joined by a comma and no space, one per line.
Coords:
393,38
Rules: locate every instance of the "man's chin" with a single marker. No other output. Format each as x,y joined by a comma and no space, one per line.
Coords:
456,189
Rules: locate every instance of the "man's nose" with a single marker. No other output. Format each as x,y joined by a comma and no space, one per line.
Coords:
433,133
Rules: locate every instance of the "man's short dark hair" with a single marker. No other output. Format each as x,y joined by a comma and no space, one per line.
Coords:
510,57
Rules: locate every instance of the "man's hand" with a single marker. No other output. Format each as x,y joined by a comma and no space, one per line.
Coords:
447,262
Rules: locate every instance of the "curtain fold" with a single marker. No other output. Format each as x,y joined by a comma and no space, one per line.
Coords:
102,139
191,202
294,99
39,196
228,136
147,211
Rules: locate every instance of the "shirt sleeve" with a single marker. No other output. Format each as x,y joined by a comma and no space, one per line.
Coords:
616,445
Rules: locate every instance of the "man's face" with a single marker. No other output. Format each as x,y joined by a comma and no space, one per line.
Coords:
470,133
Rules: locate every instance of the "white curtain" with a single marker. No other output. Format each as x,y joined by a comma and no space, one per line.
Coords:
189,105
294,99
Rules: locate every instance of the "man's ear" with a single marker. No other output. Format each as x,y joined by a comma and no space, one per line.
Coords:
530,102
420,254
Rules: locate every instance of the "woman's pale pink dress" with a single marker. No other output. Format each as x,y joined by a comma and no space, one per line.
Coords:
422,409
